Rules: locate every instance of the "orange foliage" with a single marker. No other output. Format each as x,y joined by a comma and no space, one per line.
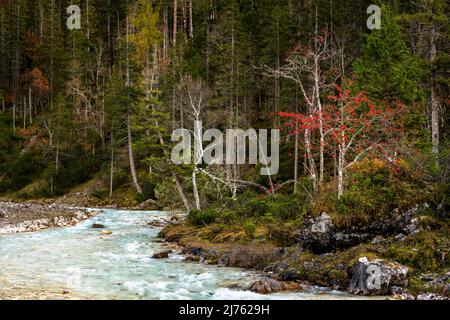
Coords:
37,80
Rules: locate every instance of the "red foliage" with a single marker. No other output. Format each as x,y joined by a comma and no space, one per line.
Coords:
354,122
36,80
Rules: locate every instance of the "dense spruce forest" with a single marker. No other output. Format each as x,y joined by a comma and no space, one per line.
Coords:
363,113
88,108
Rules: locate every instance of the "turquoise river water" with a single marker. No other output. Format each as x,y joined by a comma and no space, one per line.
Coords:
81,263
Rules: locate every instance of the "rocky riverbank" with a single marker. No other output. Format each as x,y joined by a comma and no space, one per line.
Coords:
30,217
405,256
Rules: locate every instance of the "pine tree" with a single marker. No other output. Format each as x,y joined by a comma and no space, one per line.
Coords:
387,69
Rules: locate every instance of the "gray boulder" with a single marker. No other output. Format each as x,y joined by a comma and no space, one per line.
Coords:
224,261
161,255
317,234
377,277
265,286
320,235
268,285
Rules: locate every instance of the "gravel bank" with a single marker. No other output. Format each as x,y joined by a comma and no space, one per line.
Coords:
29,217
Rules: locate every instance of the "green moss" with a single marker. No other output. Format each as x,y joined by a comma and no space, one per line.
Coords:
331,269
418,286
250,228
282,235
424,252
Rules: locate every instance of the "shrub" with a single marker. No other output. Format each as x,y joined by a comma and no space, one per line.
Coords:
202,217
283,235
283,207
70,175
250,228
229,216
21,172
148,191
374,189
100,193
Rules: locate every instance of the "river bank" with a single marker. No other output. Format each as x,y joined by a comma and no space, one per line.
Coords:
30,217
409,254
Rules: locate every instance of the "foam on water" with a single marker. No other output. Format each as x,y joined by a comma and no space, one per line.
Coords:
89,265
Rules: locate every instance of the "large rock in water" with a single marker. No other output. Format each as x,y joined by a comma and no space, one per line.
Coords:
161,255
377,277
268,285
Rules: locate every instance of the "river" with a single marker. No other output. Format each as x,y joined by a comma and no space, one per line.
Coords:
81,263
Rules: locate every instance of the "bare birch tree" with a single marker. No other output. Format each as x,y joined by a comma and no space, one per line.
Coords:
303,67
194,99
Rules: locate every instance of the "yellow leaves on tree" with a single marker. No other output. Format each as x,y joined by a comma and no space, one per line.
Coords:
145,22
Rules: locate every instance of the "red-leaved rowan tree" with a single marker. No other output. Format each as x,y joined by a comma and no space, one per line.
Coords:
354,127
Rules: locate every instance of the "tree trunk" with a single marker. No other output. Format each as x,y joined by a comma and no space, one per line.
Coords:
319,103
341,163
57,158
41,22
309,155
184,21
111,176
277,81
131,155
51,53
30,106
195,189
296,160
175,22
191,21
207,54
165,31
130,137
322,135
181,191
14,117
25,112
434,99
108,18
296,154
